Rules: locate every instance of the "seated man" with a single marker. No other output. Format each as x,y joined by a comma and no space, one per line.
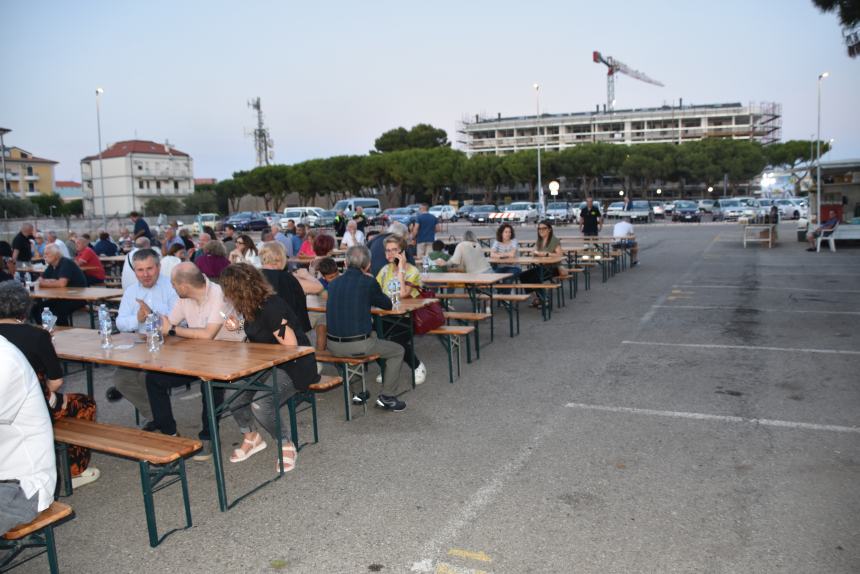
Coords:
128,275
152,293
89,262
104,246
197,314
350,324
625,229
28,472
60,272
825,229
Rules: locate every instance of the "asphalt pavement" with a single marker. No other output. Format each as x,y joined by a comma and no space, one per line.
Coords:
697,413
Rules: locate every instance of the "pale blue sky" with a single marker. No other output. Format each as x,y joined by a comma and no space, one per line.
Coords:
334,75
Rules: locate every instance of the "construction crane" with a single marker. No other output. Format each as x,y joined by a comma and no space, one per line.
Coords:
620,67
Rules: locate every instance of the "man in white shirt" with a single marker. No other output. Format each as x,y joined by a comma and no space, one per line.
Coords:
52,238
150,293
624,230
28,472
128,276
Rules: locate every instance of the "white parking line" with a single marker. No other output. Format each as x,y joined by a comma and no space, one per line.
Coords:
718,418
765,288
730,308
742,347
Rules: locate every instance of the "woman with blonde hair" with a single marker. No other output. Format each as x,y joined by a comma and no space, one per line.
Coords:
266,318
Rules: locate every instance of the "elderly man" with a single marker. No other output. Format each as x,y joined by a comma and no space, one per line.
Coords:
28,472
284,240
51,237
89,262
350,324
825,229
202,240
198,314
152,292
170,239
377,247
60,272
22,250
128,278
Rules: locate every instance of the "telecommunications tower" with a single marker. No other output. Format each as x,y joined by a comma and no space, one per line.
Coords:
263,144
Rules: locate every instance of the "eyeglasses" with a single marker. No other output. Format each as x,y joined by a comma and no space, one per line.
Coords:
392,250
542,227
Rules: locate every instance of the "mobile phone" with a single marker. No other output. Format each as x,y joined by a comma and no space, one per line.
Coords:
397,261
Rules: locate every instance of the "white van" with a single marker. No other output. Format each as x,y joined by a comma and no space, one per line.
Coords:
307,215
348,205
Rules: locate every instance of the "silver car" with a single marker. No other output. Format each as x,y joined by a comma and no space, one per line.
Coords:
727,209
560,212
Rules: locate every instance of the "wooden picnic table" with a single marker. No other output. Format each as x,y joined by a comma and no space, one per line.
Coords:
90,295
473,284
217,364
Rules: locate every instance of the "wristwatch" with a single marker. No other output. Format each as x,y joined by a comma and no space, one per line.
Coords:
172,331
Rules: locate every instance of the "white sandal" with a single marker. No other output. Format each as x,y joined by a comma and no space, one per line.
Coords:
87,476
240,455
289,461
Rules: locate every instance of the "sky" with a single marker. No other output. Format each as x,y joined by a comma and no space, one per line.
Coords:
332,76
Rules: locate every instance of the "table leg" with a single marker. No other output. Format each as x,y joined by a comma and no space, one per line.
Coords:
89,368
92,317
215,439
277,404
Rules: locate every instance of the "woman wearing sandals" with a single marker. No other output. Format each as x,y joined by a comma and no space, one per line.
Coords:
266,318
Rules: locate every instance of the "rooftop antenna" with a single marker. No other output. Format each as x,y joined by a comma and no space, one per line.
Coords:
617,66
263,144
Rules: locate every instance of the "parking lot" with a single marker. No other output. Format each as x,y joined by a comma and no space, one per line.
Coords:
698,413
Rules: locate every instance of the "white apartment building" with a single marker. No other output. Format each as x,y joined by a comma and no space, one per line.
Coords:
666,124
135,171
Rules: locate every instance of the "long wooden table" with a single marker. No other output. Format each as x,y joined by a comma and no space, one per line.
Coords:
473,284
217,364
89,295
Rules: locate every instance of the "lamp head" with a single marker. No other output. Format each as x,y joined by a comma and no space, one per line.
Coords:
823,75
99,91
536,86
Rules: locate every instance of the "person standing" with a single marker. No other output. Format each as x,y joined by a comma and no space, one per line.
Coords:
424,231
28,467
22,250
350,324
229,239
340,223
590,219
360,218
141,228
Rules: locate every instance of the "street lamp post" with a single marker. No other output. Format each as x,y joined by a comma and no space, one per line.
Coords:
818,153
541,210
99,92
52,208
3,132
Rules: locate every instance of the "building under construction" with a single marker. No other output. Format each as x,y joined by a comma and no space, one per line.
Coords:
667,124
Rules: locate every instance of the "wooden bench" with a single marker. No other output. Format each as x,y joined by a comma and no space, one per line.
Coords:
467,318
324,385
511,303
159,456
543,292
451,337
349,367
38,533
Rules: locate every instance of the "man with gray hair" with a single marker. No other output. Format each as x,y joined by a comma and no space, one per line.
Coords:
350,324
377,247
60,272
51,238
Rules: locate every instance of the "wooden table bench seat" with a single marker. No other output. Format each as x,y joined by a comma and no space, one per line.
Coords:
350,368
159,457
469,318
325,384
38,533
451,337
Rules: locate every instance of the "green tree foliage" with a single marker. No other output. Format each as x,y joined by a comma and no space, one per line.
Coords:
849,10
421,136
201,201
165,205
15,207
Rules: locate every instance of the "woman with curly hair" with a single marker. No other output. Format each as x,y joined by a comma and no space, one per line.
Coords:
245,252
266,318
505,247
36,345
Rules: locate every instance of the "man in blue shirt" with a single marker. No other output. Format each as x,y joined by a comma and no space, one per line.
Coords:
104,246
825,229
424,231
350,324
141,228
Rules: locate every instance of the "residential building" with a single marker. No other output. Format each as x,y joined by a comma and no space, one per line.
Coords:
26,174
69,190
666,124
135,171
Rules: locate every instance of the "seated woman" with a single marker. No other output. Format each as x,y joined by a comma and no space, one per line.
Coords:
36,345
213,259
245,252
266,318
505,247
547,244
273,256
469,255
401,277
307,248
352,236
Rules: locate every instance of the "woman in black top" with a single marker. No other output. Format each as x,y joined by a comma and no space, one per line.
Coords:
266,319
35,343
273,258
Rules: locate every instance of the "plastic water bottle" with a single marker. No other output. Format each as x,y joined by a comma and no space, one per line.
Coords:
426,264
104,314
28,281
48,319
153,333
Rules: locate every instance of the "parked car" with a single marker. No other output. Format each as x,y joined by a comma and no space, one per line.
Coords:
614,210
706,205
685,210
248,221
791,208
326,217
727,209
560,212
577,209
464,211
373,215
404,215
307,215
203,220
481,213
752,209
348,205
658,209
668,207
272,217
523,211
444,212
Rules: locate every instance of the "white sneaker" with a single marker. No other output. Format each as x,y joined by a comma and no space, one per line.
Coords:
319,368
379,378
89,475
420,374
